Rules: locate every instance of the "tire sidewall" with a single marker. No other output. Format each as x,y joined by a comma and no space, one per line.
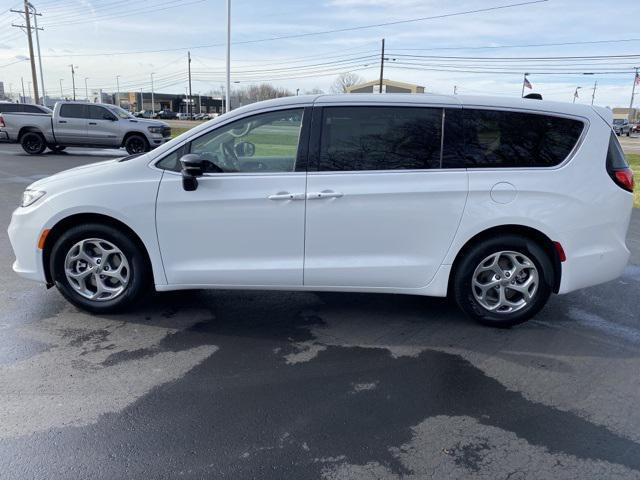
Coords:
136,137
464,274
139,271
37,135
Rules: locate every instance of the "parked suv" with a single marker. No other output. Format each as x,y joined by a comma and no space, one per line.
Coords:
621,126
83,124
166,115
362,193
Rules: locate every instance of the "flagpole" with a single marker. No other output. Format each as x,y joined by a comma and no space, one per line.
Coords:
633,93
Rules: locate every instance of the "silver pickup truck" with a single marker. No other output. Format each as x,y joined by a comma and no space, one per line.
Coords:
82,125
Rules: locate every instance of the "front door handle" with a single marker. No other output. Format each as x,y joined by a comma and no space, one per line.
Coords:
62,121
92,123
286,196
324,194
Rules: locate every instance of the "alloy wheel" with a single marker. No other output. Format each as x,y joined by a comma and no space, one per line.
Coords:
97,269
505,282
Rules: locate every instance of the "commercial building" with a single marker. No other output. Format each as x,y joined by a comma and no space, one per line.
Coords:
624,113
136,101
388,86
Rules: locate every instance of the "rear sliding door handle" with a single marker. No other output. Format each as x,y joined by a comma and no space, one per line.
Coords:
286,196
323,194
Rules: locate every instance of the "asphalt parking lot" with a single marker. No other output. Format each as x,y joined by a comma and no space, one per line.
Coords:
246,384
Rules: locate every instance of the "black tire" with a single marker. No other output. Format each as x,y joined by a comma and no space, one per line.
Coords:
139,271
628,133
57,148
465,269
136,144
33,143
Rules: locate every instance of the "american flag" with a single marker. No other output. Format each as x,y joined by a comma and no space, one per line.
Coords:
527,83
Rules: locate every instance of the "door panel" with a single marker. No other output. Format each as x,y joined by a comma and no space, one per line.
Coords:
383,229
101,131
228,231
70,126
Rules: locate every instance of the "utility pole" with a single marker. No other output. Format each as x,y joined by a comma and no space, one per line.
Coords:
73,80
199,103
189,66
86,88
27,28
593,95
35,24
29,90
228,89
636,79
23,94
141,106
381,65
153,107
455,89
61,94
118,90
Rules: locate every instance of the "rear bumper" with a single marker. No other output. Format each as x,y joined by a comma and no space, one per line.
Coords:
595,255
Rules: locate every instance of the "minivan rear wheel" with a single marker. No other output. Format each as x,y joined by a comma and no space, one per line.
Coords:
98,268
503,281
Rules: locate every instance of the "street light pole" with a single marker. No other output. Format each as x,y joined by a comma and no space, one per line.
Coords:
593,95
153,107
118,90
86,88
61,94
228,92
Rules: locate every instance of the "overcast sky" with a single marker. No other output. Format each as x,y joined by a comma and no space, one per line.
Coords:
102,37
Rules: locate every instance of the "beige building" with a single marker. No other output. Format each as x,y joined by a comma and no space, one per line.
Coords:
624,113
388,86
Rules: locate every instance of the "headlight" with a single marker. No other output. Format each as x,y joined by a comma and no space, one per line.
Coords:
155,129
31,196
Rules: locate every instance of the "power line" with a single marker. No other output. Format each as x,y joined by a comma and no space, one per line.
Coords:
530,45
323,32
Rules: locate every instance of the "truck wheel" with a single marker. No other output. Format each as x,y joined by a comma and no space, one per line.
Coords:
136,144
33,143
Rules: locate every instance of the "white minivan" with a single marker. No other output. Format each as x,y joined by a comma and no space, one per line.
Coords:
495,202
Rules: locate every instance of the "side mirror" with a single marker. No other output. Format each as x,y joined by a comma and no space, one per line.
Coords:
245,149
194,166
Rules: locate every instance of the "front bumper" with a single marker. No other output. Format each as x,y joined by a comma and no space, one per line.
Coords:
24,236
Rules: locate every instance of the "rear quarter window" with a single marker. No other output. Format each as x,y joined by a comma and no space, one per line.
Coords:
505,139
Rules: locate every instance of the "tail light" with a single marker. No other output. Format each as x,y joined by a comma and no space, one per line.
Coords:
2,122
624,178
617,165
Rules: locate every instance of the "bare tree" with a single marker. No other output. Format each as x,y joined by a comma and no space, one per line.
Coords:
314,91
257,93
344,81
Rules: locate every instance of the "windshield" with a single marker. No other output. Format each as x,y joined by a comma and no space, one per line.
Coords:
120,112
618,121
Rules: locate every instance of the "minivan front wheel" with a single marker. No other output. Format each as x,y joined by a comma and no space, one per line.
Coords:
98,268
504,281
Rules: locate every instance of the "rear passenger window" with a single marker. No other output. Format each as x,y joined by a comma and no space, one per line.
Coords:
494,139
70,110
10,107
32,109
380,138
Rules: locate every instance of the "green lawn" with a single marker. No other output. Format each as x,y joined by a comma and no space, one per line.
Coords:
175,131
634,162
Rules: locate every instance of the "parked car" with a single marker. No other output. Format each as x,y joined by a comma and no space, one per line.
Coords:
83,124
144,114
213,115
22,108
166,115
201,116
636,128
621,126
378,193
